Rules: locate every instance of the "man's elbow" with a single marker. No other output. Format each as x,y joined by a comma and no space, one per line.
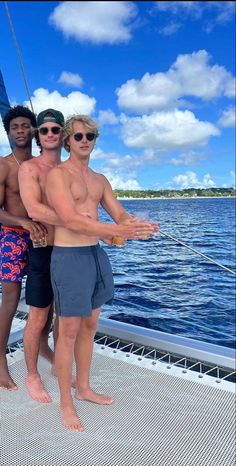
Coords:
33,213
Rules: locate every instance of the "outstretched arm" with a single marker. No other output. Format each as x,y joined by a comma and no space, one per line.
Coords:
112,206
31,195
58,189
120,215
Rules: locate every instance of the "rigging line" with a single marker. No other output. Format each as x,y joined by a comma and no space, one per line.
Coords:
197,252
18,53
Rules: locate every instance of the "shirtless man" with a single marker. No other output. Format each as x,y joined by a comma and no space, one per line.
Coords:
16,227
80,269
39,295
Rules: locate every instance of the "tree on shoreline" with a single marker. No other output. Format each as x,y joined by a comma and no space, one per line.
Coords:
190,192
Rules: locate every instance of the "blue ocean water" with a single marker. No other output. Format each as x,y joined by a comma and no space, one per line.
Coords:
160,284
164,286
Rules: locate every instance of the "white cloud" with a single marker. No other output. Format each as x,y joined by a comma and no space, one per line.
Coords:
230,87
190,75
225,12
170,29
95,22
97,154
211,13
118,168
118,182
151,93
70,79
4,143
187,158
124,163
4,150
173,130
227,120
179,8
75,102
198,79
190,180
107,117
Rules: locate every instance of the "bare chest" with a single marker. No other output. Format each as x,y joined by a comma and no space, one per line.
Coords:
86,189
42,179
12,184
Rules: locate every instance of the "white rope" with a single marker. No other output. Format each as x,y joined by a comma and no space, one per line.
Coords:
197,252
18,53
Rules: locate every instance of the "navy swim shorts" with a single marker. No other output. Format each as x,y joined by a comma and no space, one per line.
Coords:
38,284
82,279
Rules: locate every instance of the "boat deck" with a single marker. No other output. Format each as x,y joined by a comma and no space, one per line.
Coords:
159,417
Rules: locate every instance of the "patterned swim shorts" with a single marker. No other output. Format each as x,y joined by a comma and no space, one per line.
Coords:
14,244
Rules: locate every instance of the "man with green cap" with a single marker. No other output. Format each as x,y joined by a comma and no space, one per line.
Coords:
32,181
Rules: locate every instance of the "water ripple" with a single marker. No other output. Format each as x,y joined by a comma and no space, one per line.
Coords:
167,287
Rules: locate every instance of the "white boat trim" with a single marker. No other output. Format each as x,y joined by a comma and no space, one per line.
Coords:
201,351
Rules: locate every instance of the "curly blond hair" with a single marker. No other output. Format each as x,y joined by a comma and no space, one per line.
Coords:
68,130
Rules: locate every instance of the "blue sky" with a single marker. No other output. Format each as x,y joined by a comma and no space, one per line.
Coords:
158,77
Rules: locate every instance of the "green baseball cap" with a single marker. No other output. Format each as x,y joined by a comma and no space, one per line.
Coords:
50,115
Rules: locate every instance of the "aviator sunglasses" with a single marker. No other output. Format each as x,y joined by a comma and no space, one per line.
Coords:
79,136
54,130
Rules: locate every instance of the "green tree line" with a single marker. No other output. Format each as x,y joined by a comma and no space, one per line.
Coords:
190,192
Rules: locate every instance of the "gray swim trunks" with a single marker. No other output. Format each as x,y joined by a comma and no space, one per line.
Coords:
82,279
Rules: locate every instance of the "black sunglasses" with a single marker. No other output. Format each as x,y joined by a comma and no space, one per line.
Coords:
53,129
89,136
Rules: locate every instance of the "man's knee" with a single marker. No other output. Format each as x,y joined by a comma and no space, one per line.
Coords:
38,318
10,295
69,329
89,324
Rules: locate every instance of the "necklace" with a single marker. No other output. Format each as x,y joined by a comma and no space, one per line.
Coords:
17,161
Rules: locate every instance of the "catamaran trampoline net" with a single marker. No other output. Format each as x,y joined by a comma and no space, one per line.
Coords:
157,419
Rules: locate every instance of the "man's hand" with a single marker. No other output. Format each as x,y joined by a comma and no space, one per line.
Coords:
107,241
133,228
36,229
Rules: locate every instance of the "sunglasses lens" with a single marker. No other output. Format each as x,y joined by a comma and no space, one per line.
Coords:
54,130
78,136
43,131
90,136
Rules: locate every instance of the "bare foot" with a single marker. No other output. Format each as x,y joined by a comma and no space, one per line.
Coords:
7,382
89,395
36,390
70,420
5,379
73,379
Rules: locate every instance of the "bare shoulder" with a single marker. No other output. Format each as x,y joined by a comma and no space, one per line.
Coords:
99,177
55,171
60,171
4,161
5,165
29,166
